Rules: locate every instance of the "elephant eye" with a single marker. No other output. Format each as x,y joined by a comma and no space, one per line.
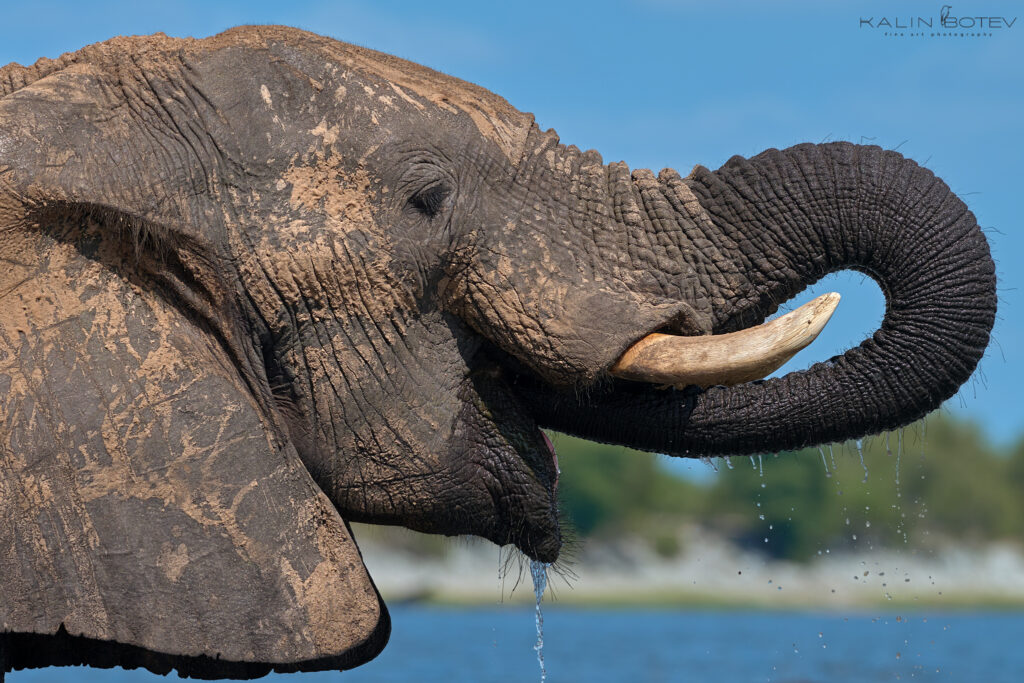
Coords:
430,200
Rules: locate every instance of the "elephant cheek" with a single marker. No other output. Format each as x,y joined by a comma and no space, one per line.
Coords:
486,470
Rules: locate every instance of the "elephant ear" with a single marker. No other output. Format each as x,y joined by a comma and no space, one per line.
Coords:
152,511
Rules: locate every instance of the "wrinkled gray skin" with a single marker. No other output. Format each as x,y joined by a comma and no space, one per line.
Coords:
392,278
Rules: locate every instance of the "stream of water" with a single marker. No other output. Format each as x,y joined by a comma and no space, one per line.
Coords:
539,572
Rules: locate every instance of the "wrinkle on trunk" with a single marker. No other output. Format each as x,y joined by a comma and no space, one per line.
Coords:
782,220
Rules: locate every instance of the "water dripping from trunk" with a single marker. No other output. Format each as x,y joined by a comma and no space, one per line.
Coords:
539,572
860,452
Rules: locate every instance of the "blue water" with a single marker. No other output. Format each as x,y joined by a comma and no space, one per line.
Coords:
597,645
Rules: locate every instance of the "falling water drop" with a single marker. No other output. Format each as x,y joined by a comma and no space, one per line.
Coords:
728,462
823,462
539,572
832,457
860,452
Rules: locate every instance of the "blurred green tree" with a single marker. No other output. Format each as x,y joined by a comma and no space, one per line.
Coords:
934,481
610,489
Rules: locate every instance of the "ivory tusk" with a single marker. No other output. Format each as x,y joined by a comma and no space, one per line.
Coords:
731,358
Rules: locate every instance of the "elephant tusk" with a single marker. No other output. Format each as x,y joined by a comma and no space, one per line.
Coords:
731,358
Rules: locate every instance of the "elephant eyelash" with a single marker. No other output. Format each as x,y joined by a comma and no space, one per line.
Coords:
429,201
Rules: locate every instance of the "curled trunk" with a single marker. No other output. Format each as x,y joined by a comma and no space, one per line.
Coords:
785,219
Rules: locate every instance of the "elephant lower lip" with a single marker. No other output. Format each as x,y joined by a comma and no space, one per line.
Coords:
554,455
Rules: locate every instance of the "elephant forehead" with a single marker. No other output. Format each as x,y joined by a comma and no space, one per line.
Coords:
495,118
398,80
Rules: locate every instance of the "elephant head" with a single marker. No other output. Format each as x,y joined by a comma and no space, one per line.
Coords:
260,285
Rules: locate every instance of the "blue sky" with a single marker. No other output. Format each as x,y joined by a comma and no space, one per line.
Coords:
674,83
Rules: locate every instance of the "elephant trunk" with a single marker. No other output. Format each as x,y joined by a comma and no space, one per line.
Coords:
782,220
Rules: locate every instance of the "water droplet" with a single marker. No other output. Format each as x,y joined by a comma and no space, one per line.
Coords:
539,572
709,462
728,462
822,452
860,452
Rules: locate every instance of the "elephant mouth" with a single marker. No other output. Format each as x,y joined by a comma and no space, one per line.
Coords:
554,456
657,361
540,535
515,463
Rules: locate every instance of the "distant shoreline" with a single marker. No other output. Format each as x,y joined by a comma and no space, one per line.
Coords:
711,574
671,601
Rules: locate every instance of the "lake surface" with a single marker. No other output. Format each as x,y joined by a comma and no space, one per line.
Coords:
597,645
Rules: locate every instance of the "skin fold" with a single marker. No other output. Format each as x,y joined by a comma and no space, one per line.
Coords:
262,284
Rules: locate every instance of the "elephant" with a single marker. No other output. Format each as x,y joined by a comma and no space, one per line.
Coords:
264,284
